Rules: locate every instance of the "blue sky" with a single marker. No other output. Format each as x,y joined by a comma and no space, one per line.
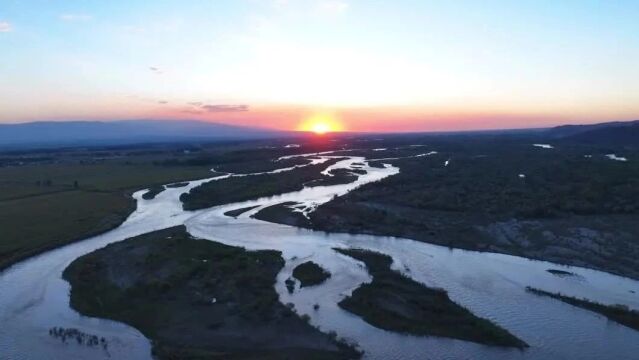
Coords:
374,64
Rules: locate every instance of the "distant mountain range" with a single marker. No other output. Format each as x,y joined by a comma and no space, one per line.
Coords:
609,133
88,133
74,133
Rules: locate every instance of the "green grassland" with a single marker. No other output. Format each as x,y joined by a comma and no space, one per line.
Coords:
47,205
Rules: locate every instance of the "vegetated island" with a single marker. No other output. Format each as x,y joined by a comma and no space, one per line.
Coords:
283,214
394,302
310,274
237,189
176,185
617,313
197,299
237,212
153,192
562,273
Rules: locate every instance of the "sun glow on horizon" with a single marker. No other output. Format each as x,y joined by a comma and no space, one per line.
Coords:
321,124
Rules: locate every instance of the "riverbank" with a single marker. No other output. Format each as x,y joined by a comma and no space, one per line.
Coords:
617,313
196,298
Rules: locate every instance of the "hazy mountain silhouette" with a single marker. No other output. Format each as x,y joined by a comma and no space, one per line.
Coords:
54,133
618,132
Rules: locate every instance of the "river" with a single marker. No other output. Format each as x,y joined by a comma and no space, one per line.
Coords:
34,297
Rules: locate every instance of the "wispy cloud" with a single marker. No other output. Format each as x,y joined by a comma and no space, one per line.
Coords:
163,102
278,4
333,7
191,111
75,17
156,70
5,26
199,107
225,108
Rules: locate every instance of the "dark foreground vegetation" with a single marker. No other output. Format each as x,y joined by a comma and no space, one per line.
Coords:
617,313
197,299
396,303
310,274
72,335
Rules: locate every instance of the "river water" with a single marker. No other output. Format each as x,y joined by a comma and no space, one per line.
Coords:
34,298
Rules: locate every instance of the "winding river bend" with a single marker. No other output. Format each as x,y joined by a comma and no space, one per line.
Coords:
34,298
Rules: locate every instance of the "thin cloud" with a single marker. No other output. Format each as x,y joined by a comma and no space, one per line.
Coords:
195,103
156,70
278,4
5,26
196,112
163,102
225,108
333,7
75,17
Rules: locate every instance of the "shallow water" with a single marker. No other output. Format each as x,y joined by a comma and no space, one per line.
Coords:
544,146
34,298
615,157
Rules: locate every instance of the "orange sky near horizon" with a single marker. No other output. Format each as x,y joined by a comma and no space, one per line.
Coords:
292,117
394,66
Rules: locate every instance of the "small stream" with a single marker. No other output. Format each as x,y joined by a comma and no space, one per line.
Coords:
34,298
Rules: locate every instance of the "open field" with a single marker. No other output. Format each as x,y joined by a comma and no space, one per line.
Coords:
196,299
43,206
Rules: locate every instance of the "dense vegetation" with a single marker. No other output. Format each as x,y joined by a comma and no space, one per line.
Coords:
153,192
254,159
310,274
396,303
196,298
237,212
483,177
243,188
566,208
618,313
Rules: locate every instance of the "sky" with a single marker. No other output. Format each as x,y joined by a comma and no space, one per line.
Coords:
362,65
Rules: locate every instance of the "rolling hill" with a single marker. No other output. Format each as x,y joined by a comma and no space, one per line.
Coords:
69,133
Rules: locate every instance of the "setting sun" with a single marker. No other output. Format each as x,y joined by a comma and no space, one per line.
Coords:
320,128
321,124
